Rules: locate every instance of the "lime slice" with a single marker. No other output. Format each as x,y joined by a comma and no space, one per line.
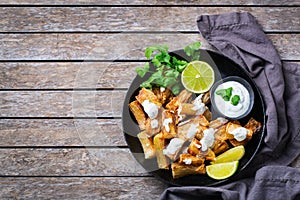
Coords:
198,76
222,170
230,155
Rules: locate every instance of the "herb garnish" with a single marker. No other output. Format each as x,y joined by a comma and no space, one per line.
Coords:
191,50
168,67
235,100
226,94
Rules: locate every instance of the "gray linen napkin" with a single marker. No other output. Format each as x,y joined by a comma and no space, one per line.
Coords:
239,37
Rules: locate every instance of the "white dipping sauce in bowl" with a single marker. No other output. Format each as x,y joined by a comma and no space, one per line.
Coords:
239,87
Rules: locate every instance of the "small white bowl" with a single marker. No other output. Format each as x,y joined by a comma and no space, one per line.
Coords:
236,115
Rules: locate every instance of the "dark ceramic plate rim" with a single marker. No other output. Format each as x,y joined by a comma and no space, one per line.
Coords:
161,174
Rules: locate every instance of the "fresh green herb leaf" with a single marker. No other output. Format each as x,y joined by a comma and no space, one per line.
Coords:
141,71
235,100
179,64
175,89
172,73
169,81
150,50
156,62
225,93
146,84
163,57
192,50
168,68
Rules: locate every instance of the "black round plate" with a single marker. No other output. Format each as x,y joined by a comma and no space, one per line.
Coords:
224,67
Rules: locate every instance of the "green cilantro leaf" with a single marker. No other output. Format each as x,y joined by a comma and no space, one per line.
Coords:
179,64
172,73
168,68
141,71
192,50
225,93
163,57
175,89
150,50
156,62
235,100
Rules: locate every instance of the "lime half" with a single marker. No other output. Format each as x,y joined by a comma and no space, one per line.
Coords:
230,155
222,170
198,77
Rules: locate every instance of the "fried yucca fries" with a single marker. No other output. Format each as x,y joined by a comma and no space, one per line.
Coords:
169,127
164,95
146,94
188,159
159,145
183,97
176,135
153,126
147,145
138,113
253,125
180,170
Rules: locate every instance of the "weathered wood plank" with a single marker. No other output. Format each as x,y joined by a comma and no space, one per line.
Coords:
61,103
45,19
61,132
112,46
153,2
146,188
62,75
69,162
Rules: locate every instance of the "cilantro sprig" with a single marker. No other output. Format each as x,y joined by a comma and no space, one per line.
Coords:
226,95
191,50
167,67
235,100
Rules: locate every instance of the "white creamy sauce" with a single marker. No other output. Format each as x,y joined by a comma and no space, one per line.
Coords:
193,129
174,145
207,139
198,99
222,120
166,123
198,146
184,122
150,108
187,161
239,133
162,89
225,107
179,112
199,107
154,123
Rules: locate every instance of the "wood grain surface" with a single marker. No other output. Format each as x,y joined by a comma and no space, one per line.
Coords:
153,2
112,46
146,188
65,67
69,162
63,75
43,19
61,132
68,75
61,103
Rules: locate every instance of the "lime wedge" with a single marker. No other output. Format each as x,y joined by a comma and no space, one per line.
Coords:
198,77
230,155
222,170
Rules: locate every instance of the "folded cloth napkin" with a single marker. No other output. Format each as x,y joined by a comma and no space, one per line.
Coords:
239,37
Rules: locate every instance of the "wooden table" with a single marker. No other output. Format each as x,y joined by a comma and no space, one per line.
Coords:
65,70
